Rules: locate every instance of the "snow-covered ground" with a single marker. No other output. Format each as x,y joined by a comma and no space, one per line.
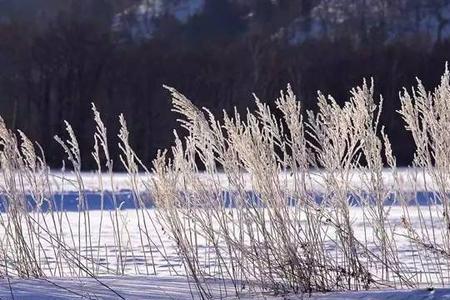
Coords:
128,287
157,253
153,270
405,179
174,288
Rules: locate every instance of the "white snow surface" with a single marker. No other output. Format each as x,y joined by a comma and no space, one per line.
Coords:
404,179
158,274
175,288
168,282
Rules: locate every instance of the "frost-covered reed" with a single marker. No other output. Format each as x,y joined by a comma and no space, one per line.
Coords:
288,240
302,226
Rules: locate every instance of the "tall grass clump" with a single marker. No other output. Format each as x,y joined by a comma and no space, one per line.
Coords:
270,229
39,237
287,222
427,118
274,200
20,244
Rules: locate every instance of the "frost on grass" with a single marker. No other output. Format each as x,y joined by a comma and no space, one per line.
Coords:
283,204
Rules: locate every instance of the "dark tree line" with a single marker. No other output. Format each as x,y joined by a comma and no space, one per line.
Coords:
58,56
